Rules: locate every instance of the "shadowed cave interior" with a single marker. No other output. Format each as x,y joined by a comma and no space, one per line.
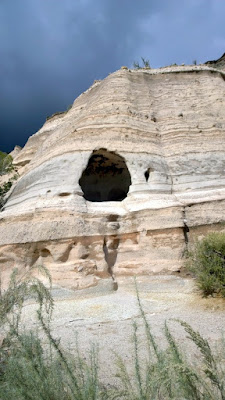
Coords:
106,177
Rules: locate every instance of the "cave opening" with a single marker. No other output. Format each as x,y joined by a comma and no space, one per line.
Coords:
106,177
147,174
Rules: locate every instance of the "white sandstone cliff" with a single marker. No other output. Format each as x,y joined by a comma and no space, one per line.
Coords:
122,182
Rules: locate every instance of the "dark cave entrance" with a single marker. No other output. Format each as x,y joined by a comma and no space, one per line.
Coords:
106,177
147,174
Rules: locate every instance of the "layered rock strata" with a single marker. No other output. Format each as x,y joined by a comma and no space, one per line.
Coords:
124,181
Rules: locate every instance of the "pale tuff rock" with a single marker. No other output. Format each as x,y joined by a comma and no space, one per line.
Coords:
122,182
219,64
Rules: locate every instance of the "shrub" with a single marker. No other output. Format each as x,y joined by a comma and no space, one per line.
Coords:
20,287
59,113
207,262
5,188
169,373
28,368
6,167
5,163
145,64
34,371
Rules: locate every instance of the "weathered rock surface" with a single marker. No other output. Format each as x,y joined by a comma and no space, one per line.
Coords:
219,64
122,182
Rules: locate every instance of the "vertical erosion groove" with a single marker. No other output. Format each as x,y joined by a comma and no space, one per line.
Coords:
185,228
110,246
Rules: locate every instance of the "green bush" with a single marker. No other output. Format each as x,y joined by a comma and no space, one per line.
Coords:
207,262
5,163
4,190
6,167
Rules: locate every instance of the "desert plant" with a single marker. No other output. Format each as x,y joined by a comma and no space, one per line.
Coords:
4,189
207,262
22,286
169,373
59,113
145,64
28,368
37,371
6,167
5,163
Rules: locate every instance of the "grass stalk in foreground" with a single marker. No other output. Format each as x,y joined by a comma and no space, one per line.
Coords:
31,370
169,373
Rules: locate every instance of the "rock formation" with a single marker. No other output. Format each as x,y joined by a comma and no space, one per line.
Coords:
124,181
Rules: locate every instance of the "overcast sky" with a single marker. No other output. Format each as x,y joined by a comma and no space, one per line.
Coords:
52,50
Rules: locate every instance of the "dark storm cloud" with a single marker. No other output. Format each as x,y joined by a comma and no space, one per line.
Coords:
52,50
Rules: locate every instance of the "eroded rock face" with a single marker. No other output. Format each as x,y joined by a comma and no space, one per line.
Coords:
124,181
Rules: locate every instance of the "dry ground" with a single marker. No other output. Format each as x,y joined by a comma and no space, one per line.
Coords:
105,317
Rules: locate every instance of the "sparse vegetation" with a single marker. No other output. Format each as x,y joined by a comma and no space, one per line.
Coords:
56,114
69,107
169,373
5,188
37,372
207,262
6,167
145,64
33,370
20,287
5,163
59,113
